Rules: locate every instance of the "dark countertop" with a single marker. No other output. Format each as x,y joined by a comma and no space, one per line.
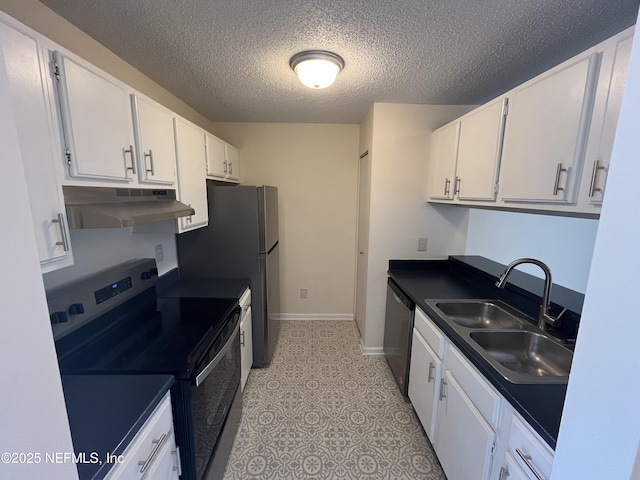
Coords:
106,412
205,287
473,277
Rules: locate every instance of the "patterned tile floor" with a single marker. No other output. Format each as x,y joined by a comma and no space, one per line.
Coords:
324,411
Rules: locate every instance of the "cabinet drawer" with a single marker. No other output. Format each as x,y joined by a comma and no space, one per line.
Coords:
431,333
156,432
527,447
483,395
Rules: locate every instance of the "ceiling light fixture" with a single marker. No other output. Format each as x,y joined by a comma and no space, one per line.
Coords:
316,68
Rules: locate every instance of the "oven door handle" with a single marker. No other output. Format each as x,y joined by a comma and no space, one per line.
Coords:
214,363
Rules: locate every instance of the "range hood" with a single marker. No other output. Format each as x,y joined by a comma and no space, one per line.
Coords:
106,207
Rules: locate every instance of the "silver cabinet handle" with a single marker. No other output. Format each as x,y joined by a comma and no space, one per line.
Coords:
242,338
133,160
594,178
447,182
504,473
527,459
556,185
188,218
443,384
431,375
150,157
63,232
226,168
230,168
456,188
158,444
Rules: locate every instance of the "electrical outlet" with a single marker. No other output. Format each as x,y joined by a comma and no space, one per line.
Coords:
159,253
422,244
304,293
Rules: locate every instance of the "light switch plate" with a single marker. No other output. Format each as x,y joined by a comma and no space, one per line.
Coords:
422,244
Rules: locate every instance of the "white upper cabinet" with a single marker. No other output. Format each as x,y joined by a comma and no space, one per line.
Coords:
223,161
24,66
613,77
442,162
192,186
216,158
479,150
96,120
233,162
546,134
155,145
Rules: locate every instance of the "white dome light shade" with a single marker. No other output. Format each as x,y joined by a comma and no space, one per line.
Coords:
316,68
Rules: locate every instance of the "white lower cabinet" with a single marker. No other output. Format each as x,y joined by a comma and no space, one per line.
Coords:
475,432
246,338
511,471
465,440
529,451
424,381
152,454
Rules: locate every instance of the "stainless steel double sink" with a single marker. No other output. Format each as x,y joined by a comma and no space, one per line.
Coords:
508,340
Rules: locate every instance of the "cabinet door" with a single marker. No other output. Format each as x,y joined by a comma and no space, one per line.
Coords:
424,378
465,440
97,122
442,162
38,147
155,144
246,344
544,144
216,158
479,152
617,79
233,162
192,182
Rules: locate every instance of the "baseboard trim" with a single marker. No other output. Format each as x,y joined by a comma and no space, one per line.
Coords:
316,316
377,351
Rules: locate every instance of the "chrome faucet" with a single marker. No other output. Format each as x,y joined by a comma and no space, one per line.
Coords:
544,317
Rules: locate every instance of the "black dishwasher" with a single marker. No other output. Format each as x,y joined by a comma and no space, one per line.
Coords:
398,328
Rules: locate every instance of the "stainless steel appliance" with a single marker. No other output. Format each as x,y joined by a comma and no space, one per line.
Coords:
398,329
114,323
241,241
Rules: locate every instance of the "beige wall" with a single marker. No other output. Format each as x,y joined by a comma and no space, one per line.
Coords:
399,213
45,21
315,168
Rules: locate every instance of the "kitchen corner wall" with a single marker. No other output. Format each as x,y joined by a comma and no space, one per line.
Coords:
398,212
315,167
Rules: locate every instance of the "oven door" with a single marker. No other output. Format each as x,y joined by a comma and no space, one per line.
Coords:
213,389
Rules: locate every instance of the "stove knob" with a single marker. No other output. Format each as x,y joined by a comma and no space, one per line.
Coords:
145,276
59,317
76,309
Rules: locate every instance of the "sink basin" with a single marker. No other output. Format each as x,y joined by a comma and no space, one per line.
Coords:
528,353
480,314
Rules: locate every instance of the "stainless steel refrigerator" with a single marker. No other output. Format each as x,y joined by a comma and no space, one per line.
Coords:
241,241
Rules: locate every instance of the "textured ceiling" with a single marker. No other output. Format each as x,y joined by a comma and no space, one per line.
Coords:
229,59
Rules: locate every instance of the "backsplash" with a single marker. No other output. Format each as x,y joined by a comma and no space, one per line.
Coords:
97,249
564,244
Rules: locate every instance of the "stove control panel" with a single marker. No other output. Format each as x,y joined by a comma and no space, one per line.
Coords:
77,303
